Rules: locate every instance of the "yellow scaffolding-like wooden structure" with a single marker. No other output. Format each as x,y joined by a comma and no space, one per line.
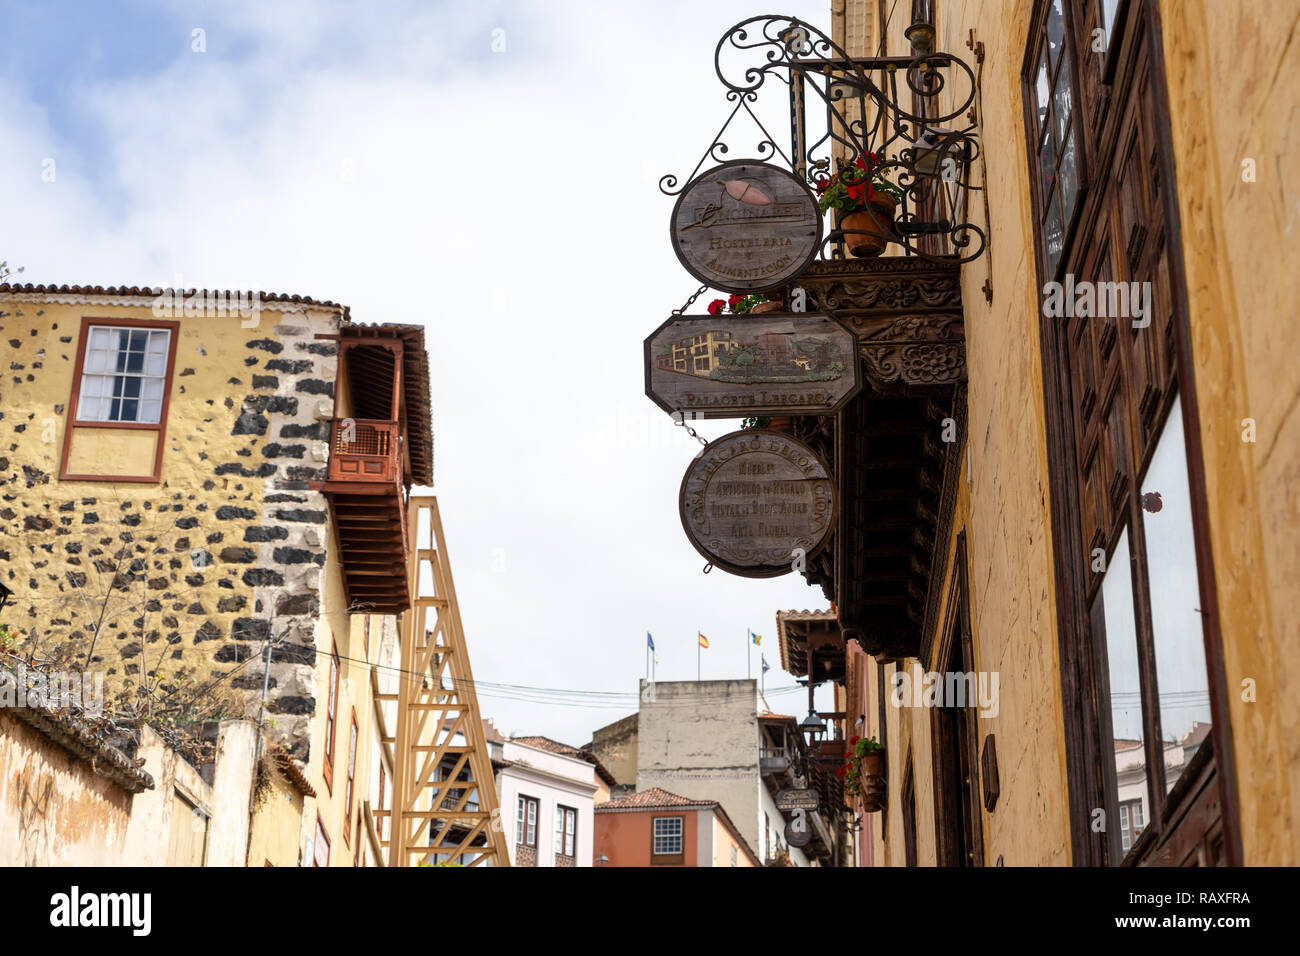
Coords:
444,793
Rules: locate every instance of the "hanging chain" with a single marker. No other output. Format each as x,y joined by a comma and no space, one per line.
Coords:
679,419
689,302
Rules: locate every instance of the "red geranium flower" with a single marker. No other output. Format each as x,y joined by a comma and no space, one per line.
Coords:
716,306
733,299
853,741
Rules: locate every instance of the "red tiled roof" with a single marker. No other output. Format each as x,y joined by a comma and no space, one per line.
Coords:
655,798
26,288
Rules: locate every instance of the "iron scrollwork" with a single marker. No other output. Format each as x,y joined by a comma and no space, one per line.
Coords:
867,123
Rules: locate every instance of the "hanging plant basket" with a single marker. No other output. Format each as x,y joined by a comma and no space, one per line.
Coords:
868,231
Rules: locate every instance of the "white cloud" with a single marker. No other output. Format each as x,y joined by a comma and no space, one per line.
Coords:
507,201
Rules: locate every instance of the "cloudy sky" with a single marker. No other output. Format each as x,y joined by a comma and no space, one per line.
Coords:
385,155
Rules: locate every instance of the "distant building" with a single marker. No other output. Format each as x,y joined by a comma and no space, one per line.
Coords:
547,792
658,828
705,740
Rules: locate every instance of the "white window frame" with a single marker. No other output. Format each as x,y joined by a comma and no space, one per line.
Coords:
672,835
105,378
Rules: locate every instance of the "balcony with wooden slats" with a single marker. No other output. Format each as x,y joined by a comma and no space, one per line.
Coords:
370,472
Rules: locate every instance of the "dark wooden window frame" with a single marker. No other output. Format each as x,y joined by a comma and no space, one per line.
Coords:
354,741
908,801
668,859
1084,708
321,832
522,837
958,818
74,401
331,717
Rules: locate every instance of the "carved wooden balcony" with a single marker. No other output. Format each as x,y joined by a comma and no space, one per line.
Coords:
365,451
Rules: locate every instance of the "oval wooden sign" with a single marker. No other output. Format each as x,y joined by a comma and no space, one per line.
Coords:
756,502
797,831
746,226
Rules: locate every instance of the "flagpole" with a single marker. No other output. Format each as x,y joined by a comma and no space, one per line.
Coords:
698,649
749,657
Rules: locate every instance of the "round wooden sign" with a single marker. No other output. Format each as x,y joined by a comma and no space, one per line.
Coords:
746,226
758,503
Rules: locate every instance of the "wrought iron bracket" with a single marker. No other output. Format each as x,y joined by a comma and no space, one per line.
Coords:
845,109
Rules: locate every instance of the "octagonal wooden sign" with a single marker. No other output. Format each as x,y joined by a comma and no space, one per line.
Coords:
732,366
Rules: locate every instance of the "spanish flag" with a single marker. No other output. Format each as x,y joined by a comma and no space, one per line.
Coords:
704,641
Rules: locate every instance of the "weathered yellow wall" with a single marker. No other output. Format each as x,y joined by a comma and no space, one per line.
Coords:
54,809
1231,70
277,836
96,450
232,538
1002,501
1227,70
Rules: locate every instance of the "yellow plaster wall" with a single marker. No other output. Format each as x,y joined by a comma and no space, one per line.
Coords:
1230,70
1002,501
276,836
122,451
231,538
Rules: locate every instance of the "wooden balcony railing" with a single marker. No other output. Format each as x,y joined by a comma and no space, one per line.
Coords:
364,450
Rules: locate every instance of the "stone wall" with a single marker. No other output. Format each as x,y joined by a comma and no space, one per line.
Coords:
615,746
225,551
699,739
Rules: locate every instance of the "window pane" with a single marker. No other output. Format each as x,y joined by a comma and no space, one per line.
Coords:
1181,676
1055,33
1044,90
1123,676
1108,10
99,360
1053,235
1061,105
1047,166
1069,179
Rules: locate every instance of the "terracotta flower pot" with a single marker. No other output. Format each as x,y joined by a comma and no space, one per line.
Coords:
774,306
780,423
873,764
868,232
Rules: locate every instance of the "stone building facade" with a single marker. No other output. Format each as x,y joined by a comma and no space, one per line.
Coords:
176,543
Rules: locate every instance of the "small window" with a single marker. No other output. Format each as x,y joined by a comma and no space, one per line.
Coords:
121,380
352,771
667,838
733,856
331,717
566,831
1131,822
526,822
321,852
124,375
